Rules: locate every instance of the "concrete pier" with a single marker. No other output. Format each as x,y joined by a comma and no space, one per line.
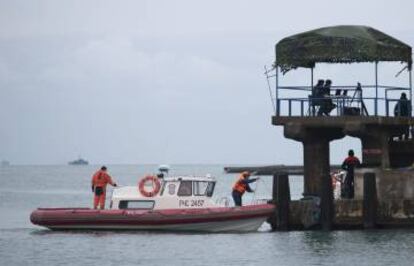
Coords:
378,148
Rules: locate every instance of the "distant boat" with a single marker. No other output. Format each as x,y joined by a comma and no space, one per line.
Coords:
79,161
5,163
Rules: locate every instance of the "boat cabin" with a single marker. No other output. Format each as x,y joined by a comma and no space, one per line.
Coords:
183,192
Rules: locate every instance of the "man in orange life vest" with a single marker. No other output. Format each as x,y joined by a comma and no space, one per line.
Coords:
241,186
349,165
99,181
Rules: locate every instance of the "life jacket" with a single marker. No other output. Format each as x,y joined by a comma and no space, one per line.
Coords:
240,186
101,179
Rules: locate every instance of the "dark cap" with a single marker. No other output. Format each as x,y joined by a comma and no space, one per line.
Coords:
103,168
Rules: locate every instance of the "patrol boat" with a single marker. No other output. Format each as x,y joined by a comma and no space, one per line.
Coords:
181,203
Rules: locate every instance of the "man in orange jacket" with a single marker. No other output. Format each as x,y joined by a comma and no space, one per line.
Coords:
99,181
241,186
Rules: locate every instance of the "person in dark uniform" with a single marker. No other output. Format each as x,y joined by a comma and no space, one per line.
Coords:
326,105
241,186
349,165
317,96
402,108
317,90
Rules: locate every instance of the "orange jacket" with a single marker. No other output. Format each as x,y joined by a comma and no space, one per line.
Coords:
240,186
101,179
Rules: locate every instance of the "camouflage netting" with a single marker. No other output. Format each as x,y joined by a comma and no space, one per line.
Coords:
339,44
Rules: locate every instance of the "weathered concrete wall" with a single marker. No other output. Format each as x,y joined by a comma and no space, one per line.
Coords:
391,183
401,153
349,214
396,212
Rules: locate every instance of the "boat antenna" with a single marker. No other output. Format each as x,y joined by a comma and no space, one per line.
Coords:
270,88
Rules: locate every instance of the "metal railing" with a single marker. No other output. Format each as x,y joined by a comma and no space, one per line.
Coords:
346,100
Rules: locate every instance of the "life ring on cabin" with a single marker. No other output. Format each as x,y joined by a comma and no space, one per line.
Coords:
156,186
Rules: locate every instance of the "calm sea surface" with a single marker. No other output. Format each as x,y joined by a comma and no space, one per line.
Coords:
24,188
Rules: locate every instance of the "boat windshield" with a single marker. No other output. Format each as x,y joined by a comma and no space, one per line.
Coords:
185,188
196,188
203,188
210,189
200,188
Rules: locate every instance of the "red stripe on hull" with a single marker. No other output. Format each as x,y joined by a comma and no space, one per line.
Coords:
63,217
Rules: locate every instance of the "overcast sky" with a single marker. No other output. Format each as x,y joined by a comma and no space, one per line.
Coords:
159,81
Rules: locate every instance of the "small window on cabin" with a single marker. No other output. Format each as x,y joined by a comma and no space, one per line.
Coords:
136,204
171,189
210,189
200,188
185,188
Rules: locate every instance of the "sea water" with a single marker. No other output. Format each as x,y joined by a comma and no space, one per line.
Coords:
24,188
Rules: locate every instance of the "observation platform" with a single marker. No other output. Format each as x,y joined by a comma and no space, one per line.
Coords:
379,115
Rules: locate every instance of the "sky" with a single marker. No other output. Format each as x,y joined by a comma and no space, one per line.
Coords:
162,81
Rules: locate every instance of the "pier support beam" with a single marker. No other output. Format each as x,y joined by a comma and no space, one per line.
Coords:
375,149
316,164
317,180
281,196
327,204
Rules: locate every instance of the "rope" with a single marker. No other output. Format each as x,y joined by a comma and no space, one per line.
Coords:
255,190
268,190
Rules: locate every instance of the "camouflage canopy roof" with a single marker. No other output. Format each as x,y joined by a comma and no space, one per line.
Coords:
339,44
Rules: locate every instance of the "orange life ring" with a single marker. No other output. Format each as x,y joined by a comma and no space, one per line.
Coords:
156,186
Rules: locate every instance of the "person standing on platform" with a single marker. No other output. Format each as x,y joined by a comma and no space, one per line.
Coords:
349,165
99,182
403,108
241,186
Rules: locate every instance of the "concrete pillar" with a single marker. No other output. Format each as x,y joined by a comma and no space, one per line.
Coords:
281,196
385,155
316,165
375,140
375,149
370,201
317,180
371,151
327,204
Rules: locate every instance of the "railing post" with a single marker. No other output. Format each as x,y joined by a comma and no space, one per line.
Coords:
301,107
311,85
277,91
386,107
277,107
411,90
290,107
376,88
